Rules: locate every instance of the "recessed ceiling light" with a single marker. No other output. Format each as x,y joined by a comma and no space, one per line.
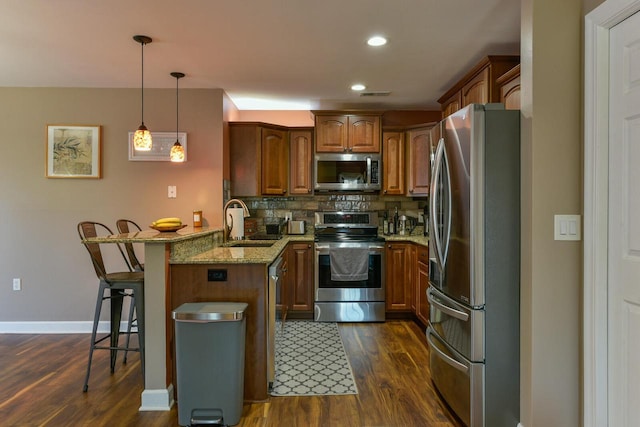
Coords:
377,41
358,86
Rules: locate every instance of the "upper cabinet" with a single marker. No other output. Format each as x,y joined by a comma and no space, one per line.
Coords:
406,160
300,161
275,162
259,160
347,133
393,156
479,85
509,84
418,161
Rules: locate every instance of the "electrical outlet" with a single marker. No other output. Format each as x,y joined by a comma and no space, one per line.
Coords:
288,216
17,284
420,217
172,192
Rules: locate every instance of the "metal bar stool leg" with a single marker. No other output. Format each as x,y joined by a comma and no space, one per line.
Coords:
132,306
94,331
117,296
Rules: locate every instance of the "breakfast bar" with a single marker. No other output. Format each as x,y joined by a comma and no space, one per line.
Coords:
194,265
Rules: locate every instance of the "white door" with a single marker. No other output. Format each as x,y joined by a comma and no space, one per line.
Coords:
624,225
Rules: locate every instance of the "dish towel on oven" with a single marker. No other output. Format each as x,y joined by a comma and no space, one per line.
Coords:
349,264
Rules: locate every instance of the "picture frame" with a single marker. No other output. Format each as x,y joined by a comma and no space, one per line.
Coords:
161,148
73,151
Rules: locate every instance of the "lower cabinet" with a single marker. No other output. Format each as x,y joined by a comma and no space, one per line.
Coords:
400,267
299,278
422,284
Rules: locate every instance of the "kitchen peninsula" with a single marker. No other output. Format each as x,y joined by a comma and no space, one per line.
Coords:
194,265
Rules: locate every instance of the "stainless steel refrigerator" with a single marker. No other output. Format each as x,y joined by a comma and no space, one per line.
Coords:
474,265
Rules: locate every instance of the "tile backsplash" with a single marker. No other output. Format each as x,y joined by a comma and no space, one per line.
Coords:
267,209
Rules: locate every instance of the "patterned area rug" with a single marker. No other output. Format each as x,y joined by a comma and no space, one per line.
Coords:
311,361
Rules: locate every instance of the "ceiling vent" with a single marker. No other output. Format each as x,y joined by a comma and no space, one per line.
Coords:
378,93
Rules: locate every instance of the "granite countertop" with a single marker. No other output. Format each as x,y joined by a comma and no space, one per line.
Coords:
233,252
418,238
191,248
150,236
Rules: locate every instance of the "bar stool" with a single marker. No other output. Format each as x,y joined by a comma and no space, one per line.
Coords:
117,283
126,226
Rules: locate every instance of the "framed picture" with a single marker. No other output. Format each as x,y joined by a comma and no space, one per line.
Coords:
161,147
73,151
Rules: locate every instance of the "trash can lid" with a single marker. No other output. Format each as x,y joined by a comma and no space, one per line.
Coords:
210,311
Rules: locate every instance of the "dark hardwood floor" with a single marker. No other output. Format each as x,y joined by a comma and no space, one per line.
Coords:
41,380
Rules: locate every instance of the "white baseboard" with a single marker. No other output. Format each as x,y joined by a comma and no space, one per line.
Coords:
157,400
55,327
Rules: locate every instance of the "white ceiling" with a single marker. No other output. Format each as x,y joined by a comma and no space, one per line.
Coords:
307,51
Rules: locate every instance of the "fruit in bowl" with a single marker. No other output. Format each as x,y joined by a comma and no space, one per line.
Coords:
167,224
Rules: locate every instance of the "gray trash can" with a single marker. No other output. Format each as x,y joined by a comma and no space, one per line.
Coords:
210,339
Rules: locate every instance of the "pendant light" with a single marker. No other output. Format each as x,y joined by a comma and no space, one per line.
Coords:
142,137
177,151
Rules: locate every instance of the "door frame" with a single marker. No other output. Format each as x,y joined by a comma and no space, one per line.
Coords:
596,168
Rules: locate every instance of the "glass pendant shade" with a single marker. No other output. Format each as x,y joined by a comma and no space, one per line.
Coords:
142,137
177,152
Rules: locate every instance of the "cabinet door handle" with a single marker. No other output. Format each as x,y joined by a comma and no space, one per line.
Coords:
411,190
309,190
309,246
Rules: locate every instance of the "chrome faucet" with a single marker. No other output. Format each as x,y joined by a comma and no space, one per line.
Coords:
226,227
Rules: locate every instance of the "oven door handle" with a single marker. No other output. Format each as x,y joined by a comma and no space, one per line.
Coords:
326,247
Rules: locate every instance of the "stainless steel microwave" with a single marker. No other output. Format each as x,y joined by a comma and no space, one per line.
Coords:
347,172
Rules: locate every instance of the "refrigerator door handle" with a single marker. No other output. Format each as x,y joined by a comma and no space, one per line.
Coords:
448,359
435,202
446,309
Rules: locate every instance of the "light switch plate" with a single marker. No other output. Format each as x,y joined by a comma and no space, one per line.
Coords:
567,227
172,192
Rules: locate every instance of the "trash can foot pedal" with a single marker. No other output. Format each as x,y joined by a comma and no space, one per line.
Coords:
207,417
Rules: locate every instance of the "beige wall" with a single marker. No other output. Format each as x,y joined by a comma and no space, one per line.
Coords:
551,184
40,243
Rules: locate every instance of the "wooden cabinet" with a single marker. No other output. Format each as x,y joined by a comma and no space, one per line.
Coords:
422,284
400,267
476,90
275,162
301,161
299,281
259,162
479,85
393,155
352,133
418,161
509,84
451,104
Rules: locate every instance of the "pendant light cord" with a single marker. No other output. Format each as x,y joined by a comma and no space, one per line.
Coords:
142,86
177,78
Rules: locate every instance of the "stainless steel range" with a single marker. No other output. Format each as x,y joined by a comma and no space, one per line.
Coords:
349,273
